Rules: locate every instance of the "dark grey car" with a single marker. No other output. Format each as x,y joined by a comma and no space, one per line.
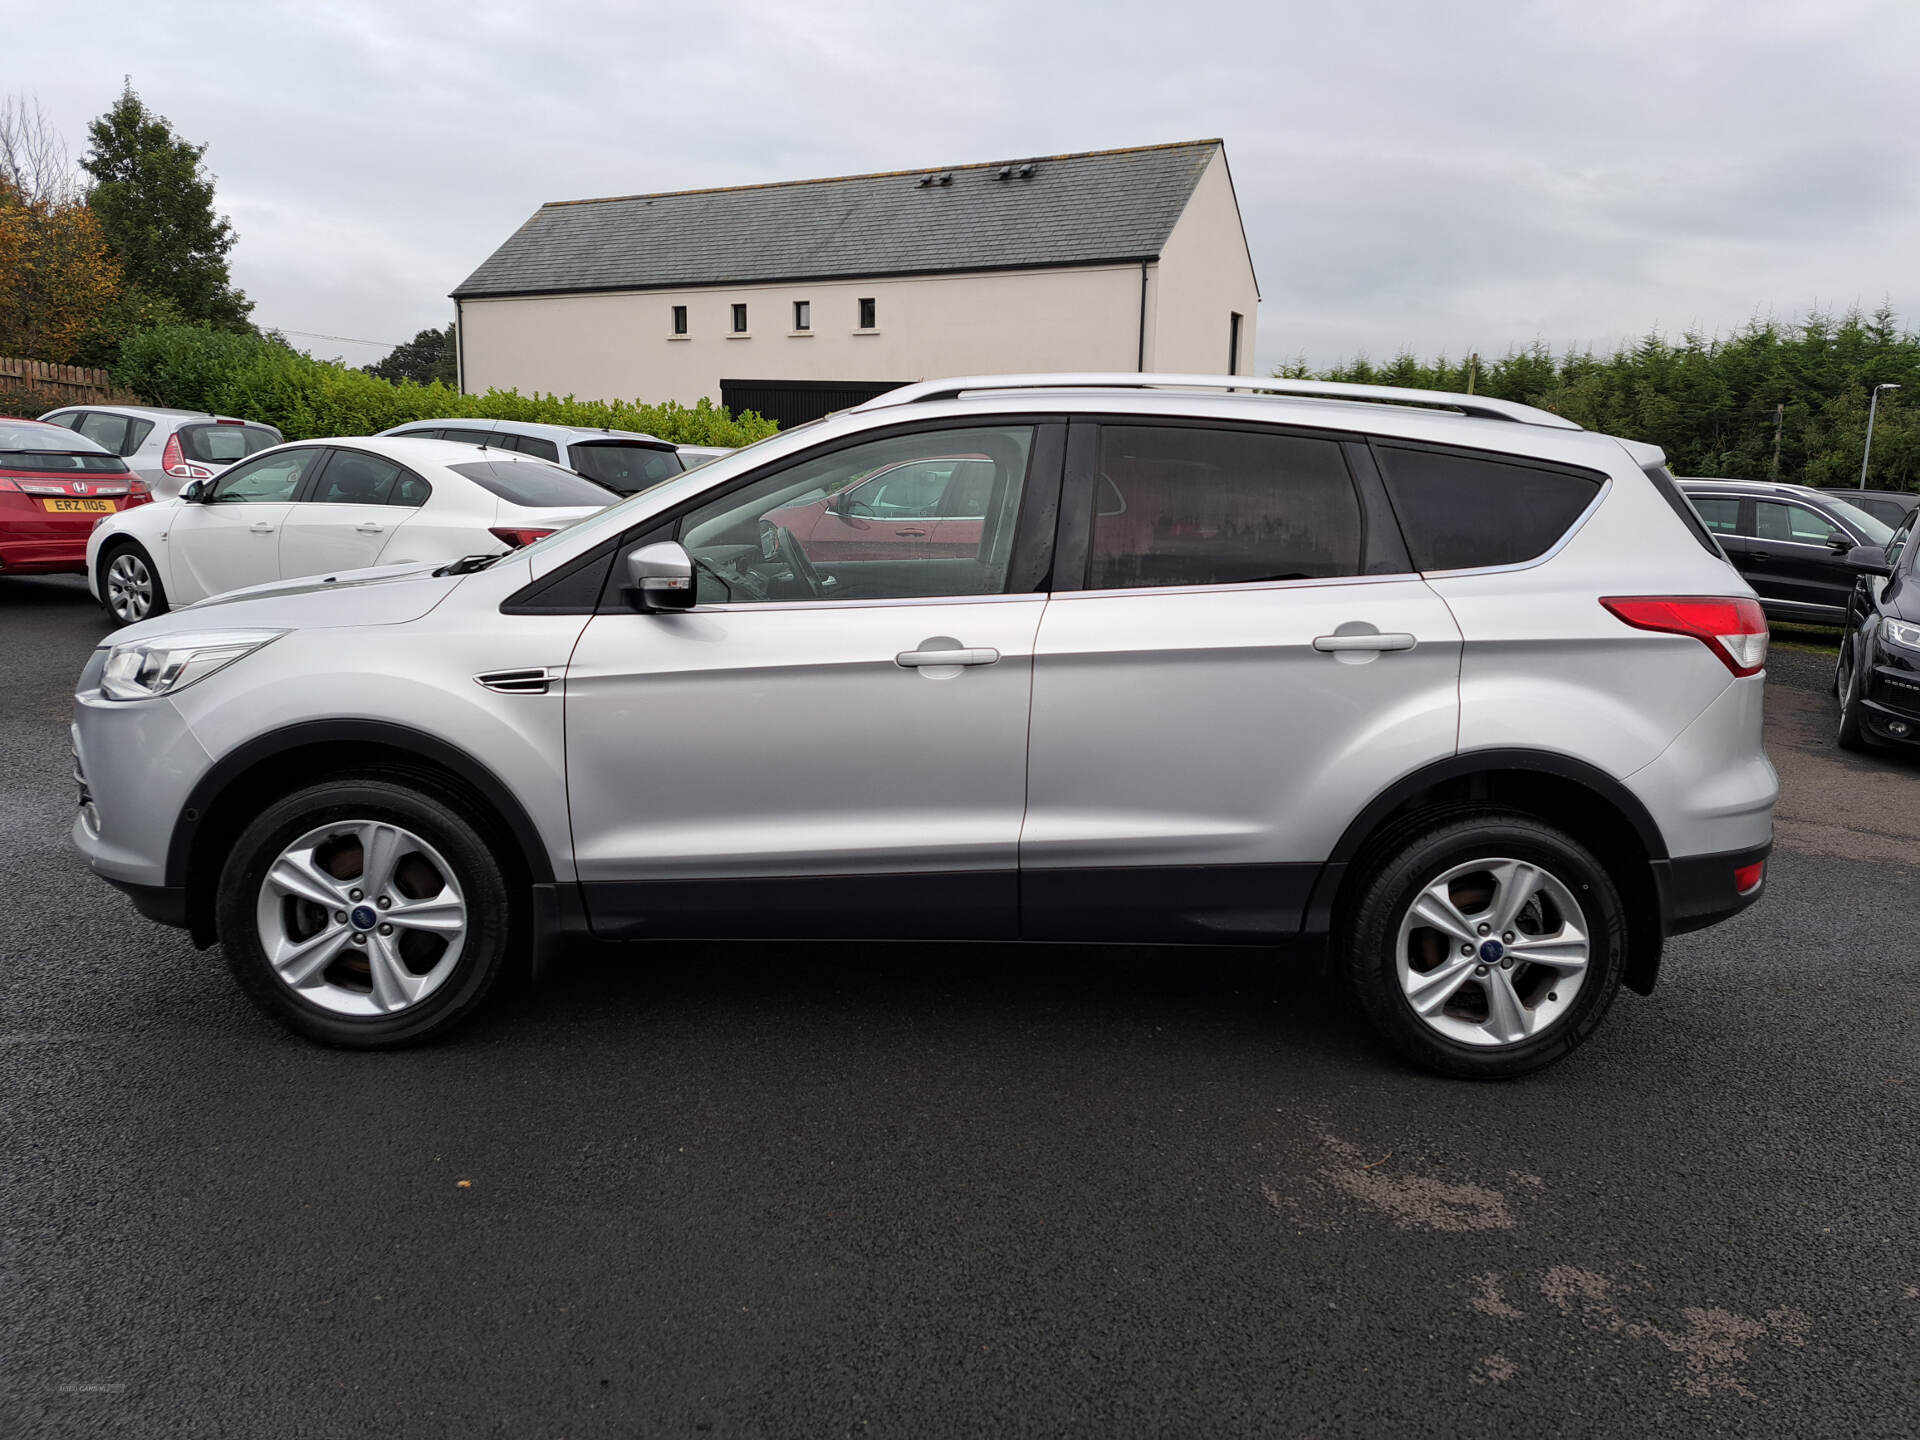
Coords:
1789,541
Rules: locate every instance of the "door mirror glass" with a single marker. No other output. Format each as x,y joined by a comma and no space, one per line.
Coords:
193,492
1869,560
660,578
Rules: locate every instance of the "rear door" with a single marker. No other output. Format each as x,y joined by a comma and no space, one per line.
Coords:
1236,659
347,513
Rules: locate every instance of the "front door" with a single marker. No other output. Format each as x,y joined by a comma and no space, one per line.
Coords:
1249,663
1790,557
232,538
795,755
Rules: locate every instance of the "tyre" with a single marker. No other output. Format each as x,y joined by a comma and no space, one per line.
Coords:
130,589
1485,945
1848,735
366,913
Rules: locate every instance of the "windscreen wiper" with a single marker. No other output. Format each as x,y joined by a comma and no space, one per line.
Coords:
467,564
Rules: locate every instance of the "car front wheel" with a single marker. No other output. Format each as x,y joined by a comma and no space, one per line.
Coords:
1486,945
129,588
365,913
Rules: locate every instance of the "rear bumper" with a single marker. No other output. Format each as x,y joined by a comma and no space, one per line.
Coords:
1699,890
39,555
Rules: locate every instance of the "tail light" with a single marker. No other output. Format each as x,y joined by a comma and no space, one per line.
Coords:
6,484
514,538
1734,628
138,493
174,461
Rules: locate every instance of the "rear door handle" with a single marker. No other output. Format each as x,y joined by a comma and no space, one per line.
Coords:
911,534
911,659
260,527
1397,641
369,528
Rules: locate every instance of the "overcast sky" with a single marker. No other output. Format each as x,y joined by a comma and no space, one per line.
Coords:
1442,175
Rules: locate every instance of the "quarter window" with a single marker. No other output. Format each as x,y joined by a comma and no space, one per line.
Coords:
534,445
1179,506
1465,512
868,522
739,319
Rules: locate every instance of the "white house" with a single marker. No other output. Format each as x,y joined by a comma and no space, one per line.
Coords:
798,298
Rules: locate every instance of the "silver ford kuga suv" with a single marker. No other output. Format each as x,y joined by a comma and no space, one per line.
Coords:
1445,692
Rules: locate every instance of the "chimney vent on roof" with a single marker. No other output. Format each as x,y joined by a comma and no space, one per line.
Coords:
1006,173
1026,171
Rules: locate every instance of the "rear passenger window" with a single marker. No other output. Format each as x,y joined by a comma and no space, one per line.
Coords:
353,477
1181,506
534,445
1465,512
1721,515
109,432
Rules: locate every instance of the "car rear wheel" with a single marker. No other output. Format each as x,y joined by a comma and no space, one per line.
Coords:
1486,945
365,913
129,589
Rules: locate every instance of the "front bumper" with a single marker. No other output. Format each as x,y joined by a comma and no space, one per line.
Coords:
138,762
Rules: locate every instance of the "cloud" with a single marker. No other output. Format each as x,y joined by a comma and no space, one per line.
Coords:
1424,175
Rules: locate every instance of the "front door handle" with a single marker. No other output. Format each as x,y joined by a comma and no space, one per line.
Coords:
911,534
260,527
369,528
912,659
1394,641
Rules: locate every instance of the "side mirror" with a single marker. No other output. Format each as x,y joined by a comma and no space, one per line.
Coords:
1869,560
1839,544
193,492
660,578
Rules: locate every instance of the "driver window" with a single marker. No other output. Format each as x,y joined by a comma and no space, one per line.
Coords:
270,479
870,522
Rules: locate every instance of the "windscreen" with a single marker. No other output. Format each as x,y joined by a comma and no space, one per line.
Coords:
1867,527
626,465
219,444
534,483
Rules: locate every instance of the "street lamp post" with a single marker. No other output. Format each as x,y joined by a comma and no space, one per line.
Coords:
1872,406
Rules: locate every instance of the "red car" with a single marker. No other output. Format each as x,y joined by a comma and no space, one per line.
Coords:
54,487
935,506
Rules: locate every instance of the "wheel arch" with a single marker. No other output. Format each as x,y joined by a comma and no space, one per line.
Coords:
242,782
1580,798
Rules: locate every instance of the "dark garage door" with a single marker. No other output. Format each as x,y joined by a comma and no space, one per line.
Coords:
794,402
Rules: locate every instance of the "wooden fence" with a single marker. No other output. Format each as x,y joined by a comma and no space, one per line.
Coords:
72,383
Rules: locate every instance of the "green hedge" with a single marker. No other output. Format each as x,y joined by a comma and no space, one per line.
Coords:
262,379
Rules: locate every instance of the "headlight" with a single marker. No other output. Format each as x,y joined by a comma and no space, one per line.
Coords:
142,669
1901,632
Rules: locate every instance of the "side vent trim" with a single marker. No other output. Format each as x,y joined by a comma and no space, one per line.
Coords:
534,680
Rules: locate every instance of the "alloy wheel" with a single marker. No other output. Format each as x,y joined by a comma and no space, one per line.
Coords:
1493,951
129,587
362,918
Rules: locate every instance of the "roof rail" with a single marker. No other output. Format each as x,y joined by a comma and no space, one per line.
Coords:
1476,405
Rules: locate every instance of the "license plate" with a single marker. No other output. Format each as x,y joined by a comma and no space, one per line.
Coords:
63,506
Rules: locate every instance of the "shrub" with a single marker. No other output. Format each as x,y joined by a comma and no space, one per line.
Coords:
262,378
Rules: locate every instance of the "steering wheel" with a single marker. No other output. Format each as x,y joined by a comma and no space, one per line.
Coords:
787,550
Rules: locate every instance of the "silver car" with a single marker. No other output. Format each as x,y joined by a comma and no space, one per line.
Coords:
168,449
1447,690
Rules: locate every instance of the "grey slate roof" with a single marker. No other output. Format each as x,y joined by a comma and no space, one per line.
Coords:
1076,209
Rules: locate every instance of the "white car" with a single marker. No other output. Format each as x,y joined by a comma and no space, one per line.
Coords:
317,507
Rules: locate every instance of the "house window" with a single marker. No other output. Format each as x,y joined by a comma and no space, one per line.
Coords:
802,315
867,315
1234,318
739,319
679,319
